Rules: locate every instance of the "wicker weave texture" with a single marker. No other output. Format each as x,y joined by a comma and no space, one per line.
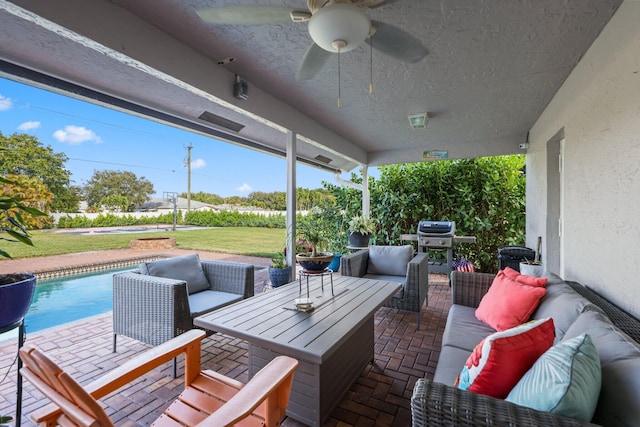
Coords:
155,309
436,404
468,288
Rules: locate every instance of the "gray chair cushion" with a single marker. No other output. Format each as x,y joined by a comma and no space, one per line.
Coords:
389,260
620,360
187,268
206,301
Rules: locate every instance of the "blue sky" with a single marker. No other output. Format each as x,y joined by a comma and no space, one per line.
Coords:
97,138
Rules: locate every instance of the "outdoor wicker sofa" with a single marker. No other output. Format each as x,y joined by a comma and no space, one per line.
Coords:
396,264
154,309
575,310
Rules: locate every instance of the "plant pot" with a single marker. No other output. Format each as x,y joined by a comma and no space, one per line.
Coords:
16,292
536,270
279,276
335,263
358,240
316,263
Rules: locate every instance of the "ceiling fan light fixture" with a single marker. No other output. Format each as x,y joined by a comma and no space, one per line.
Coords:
339,22
418,121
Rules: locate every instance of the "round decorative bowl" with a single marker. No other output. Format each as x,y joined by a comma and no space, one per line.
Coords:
316,263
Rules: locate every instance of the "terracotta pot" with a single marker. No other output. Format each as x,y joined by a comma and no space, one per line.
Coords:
16,297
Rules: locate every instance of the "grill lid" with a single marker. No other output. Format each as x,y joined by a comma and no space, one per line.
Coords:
436,228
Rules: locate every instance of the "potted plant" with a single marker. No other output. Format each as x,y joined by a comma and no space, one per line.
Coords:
16,289
533,267
279,272
314,235
360,229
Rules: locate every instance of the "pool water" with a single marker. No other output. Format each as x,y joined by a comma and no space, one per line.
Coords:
68,298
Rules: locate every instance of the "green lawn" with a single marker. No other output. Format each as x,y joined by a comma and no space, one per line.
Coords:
265,242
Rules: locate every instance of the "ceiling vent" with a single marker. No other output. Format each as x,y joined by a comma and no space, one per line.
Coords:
221,121
323,159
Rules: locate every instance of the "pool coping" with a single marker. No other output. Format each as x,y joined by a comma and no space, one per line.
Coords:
96,266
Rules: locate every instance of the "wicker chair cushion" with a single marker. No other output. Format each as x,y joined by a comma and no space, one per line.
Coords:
524,279
206,301
508,303
389,260
564,381
619,359
500,360
187,268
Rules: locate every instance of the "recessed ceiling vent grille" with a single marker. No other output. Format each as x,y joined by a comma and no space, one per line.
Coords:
323,159
221,121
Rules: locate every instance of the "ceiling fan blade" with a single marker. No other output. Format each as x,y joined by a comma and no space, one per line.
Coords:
397,43
313,60
246,15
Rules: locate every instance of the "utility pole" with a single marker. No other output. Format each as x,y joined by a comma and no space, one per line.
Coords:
188,161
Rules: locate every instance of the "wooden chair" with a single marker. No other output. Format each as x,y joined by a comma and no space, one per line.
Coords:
209,398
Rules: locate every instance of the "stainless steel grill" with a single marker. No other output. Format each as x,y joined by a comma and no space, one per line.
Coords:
436,237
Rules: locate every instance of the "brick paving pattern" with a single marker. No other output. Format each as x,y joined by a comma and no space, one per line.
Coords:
380,397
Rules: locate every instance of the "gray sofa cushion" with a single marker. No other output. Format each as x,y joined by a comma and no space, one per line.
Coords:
389,260
464,330
620,360
187,268
206,301
450,363
561,303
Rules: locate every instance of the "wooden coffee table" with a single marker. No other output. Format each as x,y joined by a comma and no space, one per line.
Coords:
333,343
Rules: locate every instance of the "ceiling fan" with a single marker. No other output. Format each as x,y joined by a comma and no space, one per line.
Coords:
335,26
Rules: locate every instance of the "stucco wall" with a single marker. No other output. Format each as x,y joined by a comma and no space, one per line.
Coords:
598,107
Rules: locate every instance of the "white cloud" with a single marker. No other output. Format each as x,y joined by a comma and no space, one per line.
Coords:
29,125
76,135
244,188
198,163
5,103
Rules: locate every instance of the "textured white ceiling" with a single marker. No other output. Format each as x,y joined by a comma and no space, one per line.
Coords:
492,68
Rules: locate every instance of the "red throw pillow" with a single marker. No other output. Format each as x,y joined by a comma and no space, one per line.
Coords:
523,278
508,303
500,360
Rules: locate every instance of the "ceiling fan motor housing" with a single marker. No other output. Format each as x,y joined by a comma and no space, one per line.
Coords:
339,22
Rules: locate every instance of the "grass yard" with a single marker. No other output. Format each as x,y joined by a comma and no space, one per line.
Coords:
264,242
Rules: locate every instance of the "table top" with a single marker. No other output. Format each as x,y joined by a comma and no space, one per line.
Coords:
271,320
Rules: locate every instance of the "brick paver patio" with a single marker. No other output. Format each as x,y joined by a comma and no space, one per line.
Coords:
380,397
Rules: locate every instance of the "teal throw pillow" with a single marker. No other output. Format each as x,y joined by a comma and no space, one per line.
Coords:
565,380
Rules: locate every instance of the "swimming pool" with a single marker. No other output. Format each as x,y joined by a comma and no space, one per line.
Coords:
68,298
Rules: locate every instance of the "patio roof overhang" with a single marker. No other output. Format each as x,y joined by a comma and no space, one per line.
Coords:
490,72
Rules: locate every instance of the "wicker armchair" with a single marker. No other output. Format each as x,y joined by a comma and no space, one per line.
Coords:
440,404
416,280
155,309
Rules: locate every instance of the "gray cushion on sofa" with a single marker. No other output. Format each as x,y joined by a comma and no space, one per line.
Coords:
389,260
450,364
463,329
620,360
206,301
187,268
561,303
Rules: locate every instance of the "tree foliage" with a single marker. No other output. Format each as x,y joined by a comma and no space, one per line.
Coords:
484,196
105,183
32,193
23,154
